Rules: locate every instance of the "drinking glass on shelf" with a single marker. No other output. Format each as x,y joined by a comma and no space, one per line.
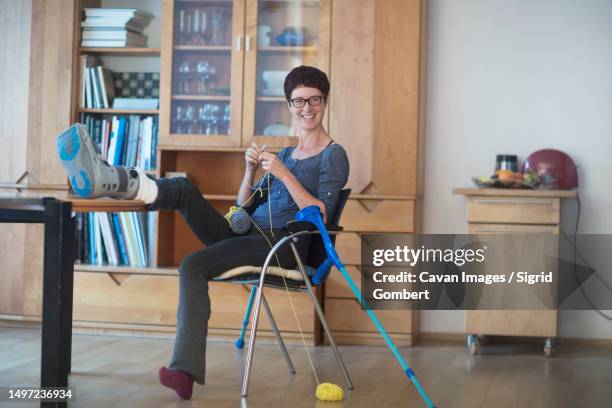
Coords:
185,72
179,117
181,26
216,26
204,26
203,72
214,118
202,118
225,120
195,27
189,118
212,73
189,27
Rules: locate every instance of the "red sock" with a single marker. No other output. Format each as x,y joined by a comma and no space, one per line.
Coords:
179,381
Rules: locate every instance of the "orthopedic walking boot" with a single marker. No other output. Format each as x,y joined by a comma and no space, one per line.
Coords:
91,176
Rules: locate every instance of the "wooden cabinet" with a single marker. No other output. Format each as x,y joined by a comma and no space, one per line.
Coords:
498,211
373,58
223,67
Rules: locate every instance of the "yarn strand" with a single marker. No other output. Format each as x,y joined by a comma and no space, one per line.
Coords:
324,391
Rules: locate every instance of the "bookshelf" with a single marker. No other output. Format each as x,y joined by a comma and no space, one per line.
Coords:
383,143
105,121
112,111
125,51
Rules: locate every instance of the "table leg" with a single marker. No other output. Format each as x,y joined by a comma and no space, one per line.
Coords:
57,296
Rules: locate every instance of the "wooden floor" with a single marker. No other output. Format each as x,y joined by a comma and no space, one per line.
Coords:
122,372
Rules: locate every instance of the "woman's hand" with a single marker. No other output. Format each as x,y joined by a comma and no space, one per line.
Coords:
252,157
270,162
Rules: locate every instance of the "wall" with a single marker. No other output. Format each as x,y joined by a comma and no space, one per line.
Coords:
15,27
515,76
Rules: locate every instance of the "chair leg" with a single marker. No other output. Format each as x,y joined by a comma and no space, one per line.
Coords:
250,350
277,334
255,321
321,315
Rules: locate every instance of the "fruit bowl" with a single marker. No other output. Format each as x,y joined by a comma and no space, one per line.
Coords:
507,180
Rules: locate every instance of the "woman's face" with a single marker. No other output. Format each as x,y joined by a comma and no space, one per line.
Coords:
307,117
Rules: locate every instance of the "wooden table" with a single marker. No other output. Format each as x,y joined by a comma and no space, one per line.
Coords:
58,270
513,211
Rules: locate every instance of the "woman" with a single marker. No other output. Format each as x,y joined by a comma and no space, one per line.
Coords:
313,173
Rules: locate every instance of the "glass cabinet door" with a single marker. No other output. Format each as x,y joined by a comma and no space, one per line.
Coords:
206,72
281,34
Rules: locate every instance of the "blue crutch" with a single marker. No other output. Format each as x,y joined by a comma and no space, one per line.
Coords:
245,322
312,214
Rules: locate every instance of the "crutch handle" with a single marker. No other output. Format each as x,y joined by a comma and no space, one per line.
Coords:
312,214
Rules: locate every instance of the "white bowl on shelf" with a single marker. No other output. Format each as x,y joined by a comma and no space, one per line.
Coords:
273,92
274,76
277,129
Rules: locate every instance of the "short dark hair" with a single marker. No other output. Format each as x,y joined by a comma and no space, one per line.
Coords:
306,76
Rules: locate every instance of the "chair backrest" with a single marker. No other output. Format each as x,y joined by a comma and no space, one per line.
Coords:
316,253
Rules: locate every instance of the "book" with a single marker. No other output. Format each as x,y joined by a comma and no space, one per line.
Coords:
118,24
145,143
132,145
151,232
123,35
97,240
109,241
120,239
85,237
87,61
88,89
130,13
132,240
113,43
120,140
105,76
94,87
126,228
136,103
139,234
78,243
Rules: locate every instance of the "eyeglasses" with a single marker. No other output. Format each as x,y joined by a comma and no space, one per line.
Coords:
312,101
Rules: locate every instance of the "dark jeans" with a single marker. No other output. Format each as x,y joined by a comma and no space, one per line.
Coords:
224,250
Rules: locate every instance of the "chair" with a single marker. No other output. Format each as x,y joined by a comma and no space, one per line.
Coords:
300,280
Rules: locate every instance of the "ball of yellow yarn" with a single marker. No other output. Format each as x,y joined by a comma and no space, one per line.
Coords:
329,392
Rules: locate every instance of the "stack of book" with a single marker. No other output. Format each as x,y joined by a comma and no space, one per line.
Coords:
97,89
124,140
120,27
125,238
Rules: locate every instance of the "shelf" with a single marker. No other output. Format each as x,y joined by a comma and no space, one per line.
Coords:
515,192
289,137
103,204
212,2
382,197
133,51
217,48
280,48
271,99
120,111
292,1
200,148
131,270
25,186
201,97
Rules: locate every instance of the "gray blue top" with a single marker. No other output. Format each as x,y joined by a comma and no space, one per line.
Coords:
322,175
